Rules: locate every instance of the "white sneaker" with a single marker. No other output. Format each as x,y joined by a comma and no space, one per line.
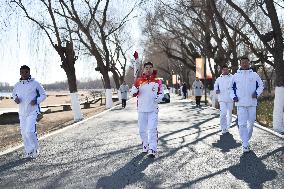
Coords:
224,131
144,149
246,149
34,154
28,155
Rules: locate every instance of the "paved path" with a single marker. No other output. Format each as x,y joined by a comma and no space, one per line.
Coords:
104,152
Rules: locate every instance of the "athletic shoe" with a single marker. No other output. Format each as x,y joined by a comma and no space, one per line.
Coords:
246,149
34,154
144,149
151,153
28,155
224,131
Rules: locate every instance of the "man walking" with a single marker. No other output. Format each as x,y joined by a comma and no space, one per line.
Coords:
123,90
149,92
222,88
28,93
246,86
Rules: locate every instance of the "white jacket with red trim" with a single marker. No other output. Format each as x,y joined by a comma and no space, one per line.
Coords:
149,92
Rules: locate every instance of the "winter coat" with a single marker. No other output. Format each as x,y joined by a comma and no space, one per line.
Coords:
123,90
223,84
26,91
149,92
197,87
184,89
244,84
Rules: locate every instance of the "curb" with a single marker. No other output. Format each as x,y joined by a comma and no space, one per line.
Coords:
265,129
60,130
255,123
259,126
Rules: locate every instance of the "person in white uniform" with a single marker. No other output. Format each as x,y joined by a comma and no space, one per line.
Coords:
246,86
28,93
149,92
222,88
124,89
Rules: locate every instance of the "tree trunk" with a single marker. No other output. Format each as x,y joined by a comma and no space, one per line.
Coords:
278,114
68,60
106,78
108,98
278,109
116,79
108,90
279,69
71,78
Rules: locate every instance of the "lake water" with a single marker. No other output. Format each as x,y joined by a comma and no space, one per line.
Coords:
5,94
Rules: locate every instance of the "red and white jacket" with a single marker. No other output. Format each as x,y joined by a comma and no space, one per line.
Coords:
149,92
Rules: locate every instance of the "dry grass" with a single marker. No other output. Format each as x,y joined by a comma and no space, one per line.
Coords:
10,133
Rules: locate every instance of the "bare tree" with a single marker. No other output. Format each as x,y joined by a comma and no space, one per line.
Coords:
54,28
119,58
94,31
273,41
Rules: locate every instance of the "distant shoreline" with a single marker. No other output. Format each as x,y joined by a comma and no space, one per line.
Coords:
5,94
65,92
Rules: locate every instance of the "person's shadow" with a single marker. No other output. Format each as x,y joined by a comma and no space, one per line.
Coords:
129,173
252,170
226,142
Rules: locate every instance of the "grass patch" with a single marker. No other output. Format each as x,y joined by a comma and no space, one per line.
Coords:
264,112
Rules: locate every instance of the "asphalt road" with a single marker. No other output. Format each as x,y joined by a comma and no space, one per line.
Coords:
105,152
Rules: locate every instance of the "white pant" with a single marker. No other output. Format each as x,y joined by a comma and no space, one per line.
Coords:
147,122
225,114
246,119
28,131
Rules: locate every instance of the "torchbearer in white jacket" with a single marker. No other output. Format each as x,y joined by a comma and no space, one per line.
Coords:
28,93
222,88
246,87
149,92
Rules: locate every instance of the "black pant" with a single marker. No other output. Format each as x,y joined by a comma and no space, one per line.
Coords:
197,99
123,103
185,94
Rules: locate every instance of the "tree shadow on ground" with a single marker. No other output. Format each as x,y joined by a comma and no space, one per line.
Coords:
14,163
252,170
226,143
130,173
163,139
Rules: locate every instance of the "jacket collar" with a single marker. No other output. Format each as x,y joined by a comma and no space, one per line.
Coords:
27,81
244,71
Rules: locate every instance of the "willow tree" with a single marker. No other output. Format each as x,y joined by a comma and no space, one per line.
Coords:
119,57
94,28
42,13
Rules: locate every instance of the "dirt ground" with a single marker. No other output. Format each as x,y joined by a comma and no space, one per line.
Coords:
10,133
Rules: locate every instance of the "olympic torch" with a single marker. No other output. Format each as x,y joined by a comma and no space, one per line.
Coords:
135,63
